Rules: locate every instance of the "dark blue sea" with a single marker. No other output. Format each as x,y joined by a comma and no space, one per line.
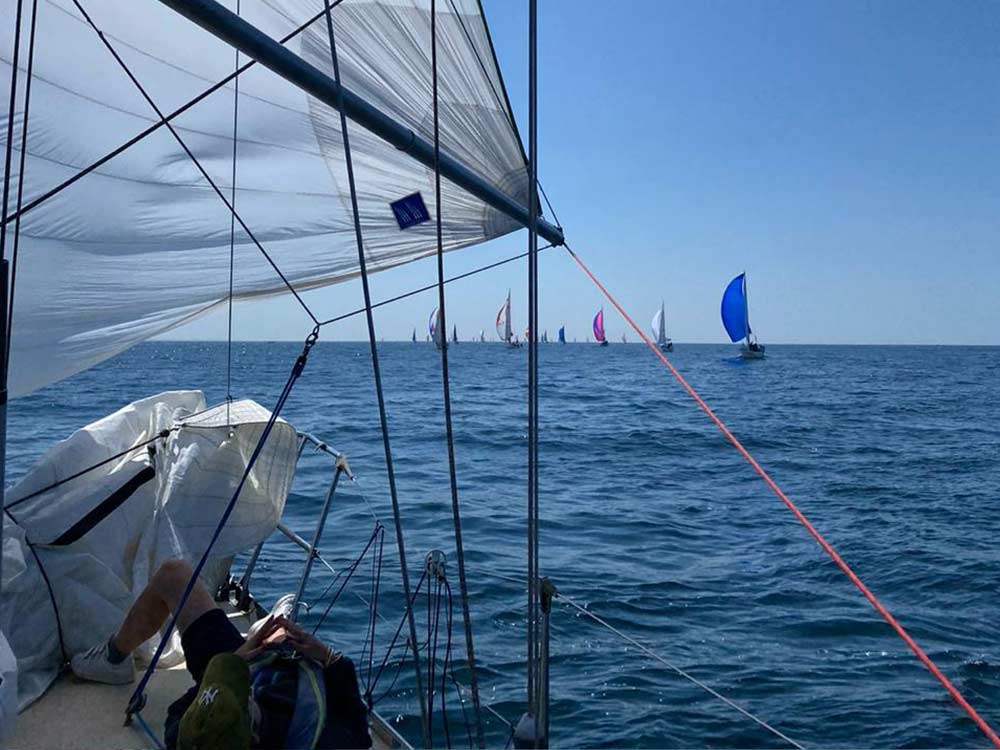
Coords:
651,520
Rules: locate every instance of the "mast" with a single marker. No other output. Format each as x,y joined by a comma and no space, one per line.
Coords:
746,307
507,332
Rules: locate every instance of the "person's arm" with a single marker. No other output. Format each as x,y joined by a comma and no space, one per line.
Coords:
347,716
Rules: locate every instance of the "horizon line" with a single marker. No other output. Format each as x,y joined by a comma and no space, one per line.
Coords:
618,343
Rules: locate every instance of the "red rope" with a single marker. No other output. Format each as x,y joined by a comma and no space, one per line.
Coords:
880,608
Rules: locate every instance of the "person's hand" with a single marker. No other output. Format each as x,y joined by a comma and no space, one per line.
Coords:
309,645
271,633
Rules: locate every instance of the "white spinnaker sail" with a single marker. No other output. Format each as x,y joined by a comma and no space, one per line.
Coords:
141,245
503,321
657,327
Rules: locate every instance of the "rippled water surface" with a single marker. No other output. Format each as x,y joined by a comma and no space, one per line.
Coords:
653,521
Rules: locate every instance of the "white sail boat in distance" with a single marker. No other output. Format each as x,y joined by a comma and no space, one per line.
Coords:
503,324
659,327
434,329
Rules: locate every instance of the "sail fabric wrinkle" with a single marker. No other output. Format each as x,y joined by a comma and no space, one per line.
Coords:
171,514
734,310
141,245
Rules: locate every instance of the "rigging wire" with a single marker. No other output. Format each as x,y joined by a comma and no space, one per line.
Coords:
48,587
686,675
533,629
232,239
137,700
392,645
449,670
799,515
161,435
9,150
428,287
376,368
446,392
449,610
163,120
376,532
433,627
373,609
194,159
29,74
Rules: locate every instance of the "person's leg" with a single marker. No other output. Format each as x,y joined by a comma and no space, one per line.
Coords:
154,605
111,661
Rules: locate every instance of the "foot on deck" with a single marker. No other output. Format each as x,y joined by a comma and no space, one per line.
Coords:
96,666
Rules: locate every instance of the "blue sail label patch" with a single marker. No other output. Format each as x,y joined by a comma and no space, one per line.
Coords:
410,211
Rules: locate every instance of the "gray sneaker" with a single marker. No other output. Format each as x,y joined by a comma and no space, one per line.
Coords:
282,607
94,665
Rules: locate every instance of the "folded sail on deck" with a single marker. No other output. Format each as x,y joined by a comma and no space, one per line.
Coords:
142,244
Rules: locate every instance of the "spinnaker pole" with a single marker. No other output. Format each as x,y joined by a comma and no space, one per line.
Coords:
251,41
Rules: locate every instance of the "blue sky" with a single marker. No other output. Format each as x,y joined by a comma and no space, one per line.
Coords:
846,154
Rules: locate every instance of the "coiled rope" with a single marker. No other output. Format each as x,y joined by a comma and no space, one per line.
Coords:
827,547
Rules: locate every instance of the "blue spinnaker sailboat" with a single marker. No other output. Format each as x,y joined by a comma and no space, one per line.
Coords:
562,335
734,309
736,317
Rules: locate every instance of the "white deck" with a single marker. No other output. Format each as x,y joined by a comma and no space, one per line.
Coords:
84,715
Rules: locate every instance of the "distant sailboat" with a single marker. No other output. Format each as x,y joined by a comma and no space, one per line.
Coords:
599,336
736,318
562,334
482,336
545,337
503,324
454,334
414,336
660,330
434,328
